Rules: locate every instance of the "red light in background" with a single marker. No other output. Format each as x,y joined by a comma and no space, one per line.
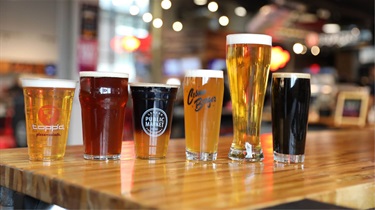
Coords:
116,44
280,58
315,68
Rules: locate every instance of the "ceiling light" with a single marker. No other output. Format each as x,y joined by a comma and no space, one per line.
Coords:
297,48
200,2
331,28
177,26
240,11
166,4
224,20
213,6
134,10
147,17
157,23
315,50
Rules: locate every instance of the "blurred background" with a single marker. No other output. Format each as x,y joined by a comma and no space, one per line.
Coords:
158,40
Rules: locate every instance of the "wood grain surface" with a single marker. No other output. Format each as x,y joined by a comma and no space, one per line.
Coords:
338,169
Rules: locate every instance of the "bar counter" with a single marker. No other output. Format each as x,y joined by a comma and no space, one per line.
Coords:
338,170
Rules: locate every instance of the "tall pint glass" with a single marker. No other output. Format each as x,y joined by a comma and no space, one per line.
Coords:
248,61
203,101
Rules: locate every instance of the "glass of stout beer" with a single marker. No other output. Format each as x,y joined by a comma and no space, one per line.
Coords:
103,97
152,118
248,58
290,99
48,105
203,102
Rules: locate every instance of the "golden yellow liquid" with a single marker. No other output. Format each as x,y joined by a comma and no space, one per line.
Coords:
248,67
47,121
203,101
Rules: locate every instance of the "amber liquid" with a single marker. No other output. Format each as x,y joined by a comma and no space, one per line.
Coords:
103,102
47,113
248,67
203,101
152,120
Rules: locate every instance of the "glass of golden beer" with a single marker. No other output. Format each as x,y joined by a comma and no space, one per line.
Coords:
152,118
248,58
203,102
48,104
103,97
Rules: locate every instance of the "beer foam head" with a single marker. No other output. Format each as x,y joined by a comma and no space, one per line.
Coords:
249,39
143,84
204,73
103,74
291,75
48,83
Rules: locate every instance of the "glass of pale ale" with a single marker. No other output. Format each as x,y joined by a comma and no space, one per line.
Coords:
248,58
203,102
103,97
152,118
48,104
290,100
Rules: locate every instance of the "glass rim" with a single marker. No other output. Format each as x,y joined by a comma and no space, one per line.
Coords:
98,74
211,73
291,74
48,83
146,84
247,38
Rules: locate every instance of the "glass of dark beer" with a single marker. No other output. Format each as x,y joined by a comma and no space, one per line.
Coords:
152,118
290,99
103,97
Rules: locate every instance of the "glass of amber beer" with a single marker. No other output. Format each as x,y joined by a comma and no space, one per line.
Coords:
48,104
290,100
203,102
248,61
152,118
103,97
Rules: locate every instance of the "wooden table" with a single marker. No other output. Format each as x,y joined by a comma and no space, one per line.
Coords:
339,169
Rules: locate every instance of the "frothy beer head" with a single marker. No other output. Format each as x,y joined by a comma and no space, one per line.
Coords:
204,73
249,39
291,75
48,83
103,74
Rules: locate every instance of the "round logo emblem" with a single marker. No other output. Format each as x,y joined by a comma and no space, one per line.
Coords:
48,115
154,122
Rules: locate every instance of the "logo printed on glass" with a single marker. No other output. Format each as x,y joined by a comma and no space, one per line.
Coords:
48,115
154,122
196,96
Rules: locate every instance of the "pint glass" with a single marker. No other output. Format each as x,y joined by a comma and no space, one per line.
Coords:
203,101
152,118
290,99
48,105
248,61
103,97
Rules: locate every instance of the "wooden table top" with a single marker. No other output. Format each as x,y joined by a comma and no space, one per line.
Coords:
338,169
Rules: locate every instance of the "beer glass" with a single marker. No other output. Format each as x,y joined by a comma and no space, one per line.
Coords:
290,99
203,101
48,104
103,97
248,58
152,118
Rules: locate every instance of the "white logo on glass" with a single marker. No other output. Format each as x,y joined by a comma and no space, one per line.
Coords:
154,122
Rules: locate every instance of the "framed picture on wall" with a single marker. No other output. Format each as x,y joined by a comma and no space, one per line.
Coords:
351,108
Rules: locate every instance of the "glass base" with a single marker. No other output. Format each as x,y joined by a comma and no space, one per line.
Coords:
204,156
101,157
244,155
286,158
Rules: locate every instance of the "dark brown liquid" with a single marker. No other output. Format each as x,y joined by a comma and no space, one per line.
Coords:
290,109
103,102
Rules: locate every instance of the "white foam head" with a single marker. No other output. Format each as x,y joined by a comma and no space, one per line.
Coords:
143,84
249,39
291,75
48,83
204,73
103,74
